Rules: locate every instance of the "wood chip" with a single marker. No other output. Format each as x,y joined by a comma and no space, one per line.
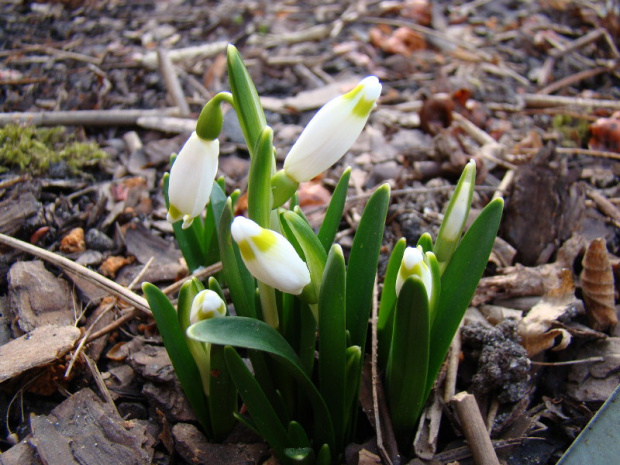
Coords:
40,347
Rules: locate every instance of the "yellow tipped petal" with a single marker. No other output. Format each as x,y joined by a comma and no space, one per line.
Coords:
332,131
207,304
270,257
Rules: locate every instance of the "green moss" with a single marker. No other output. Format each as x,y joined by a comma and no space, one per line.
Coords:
33,149
574,131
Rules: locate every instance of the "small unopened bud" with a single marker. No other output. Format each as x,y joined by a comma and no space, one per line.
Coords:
207,304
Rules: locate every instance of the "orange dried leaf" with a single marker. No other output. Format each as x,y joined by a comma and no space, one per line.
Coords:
73,241
111,265
312,194
605,134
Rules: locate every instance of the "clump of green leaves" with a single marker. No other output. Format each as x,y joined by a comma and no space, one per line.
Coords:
34,149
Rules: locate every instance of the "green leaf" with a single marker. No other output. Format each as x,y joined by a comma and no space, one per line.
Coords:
426,242
385,322
353,370
264,418
259,183
332,340
407,366
240,282
459,282
214,212
246,101
255,334
222,394
324,455
174,340
297,435
333,215
299,233
363,262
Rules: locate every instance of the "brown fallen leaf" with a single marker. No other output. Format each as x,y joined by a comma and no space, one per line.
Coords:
111,265
73,241
313,194
537,329
597,283
605,134
402,41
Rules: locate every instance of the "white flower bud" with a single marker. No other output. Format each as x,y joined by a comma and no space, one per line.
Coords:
332,131
207,304
270,257
191,179
415,263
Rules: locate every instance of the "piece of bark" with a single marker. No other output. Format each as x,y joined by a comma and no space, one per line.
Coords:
20,454
39,298
16,210
169,398
38,348
544,208
143,244
153,363
193,447
92,431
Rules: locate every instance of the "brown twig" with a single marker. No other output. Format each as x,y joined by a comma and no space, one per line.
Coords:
474,429
171,78
113,288
541,101
83,117
572,79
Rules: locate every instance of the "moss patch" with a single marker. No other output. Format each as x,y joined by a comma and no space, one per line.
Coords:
33,149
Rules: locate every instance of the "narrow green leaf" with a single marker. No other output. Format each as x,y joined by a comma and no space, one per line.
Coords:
385,322
222,395
240,282
407,366
255,334
324,455
297,435
363,262
259,183
353,370
264,417
174,340
333,215
299,232
246,101
426,242
459,282
332,339
214,212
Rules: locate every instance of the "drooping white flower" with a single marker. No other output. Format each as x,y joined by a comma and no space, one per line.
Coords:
191,179
415,263
332,131
270,257
207,304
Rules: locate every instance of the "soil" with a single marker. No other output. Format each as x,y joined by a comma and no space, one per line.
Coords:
527,89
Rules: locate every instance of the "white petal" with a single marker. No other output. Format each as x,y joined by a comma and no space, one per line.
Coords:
191,178
207,304
332,131
270,257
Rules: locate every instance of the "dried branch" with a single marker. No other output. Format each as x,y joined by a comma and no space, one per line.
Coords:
83,117
474,429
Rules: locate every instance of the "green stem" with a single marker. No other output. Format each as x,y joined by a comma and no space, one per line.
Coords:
269,306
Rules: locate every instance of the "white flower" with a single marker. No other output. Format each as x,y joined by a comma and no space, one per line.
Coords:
332,131
191,179
270,257
415,263
207,304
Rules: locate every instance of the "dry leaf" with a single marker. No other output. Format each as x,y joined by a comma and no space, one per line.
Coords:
111,265
403,41
73,242
537,327
313,194
605,134
597,283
